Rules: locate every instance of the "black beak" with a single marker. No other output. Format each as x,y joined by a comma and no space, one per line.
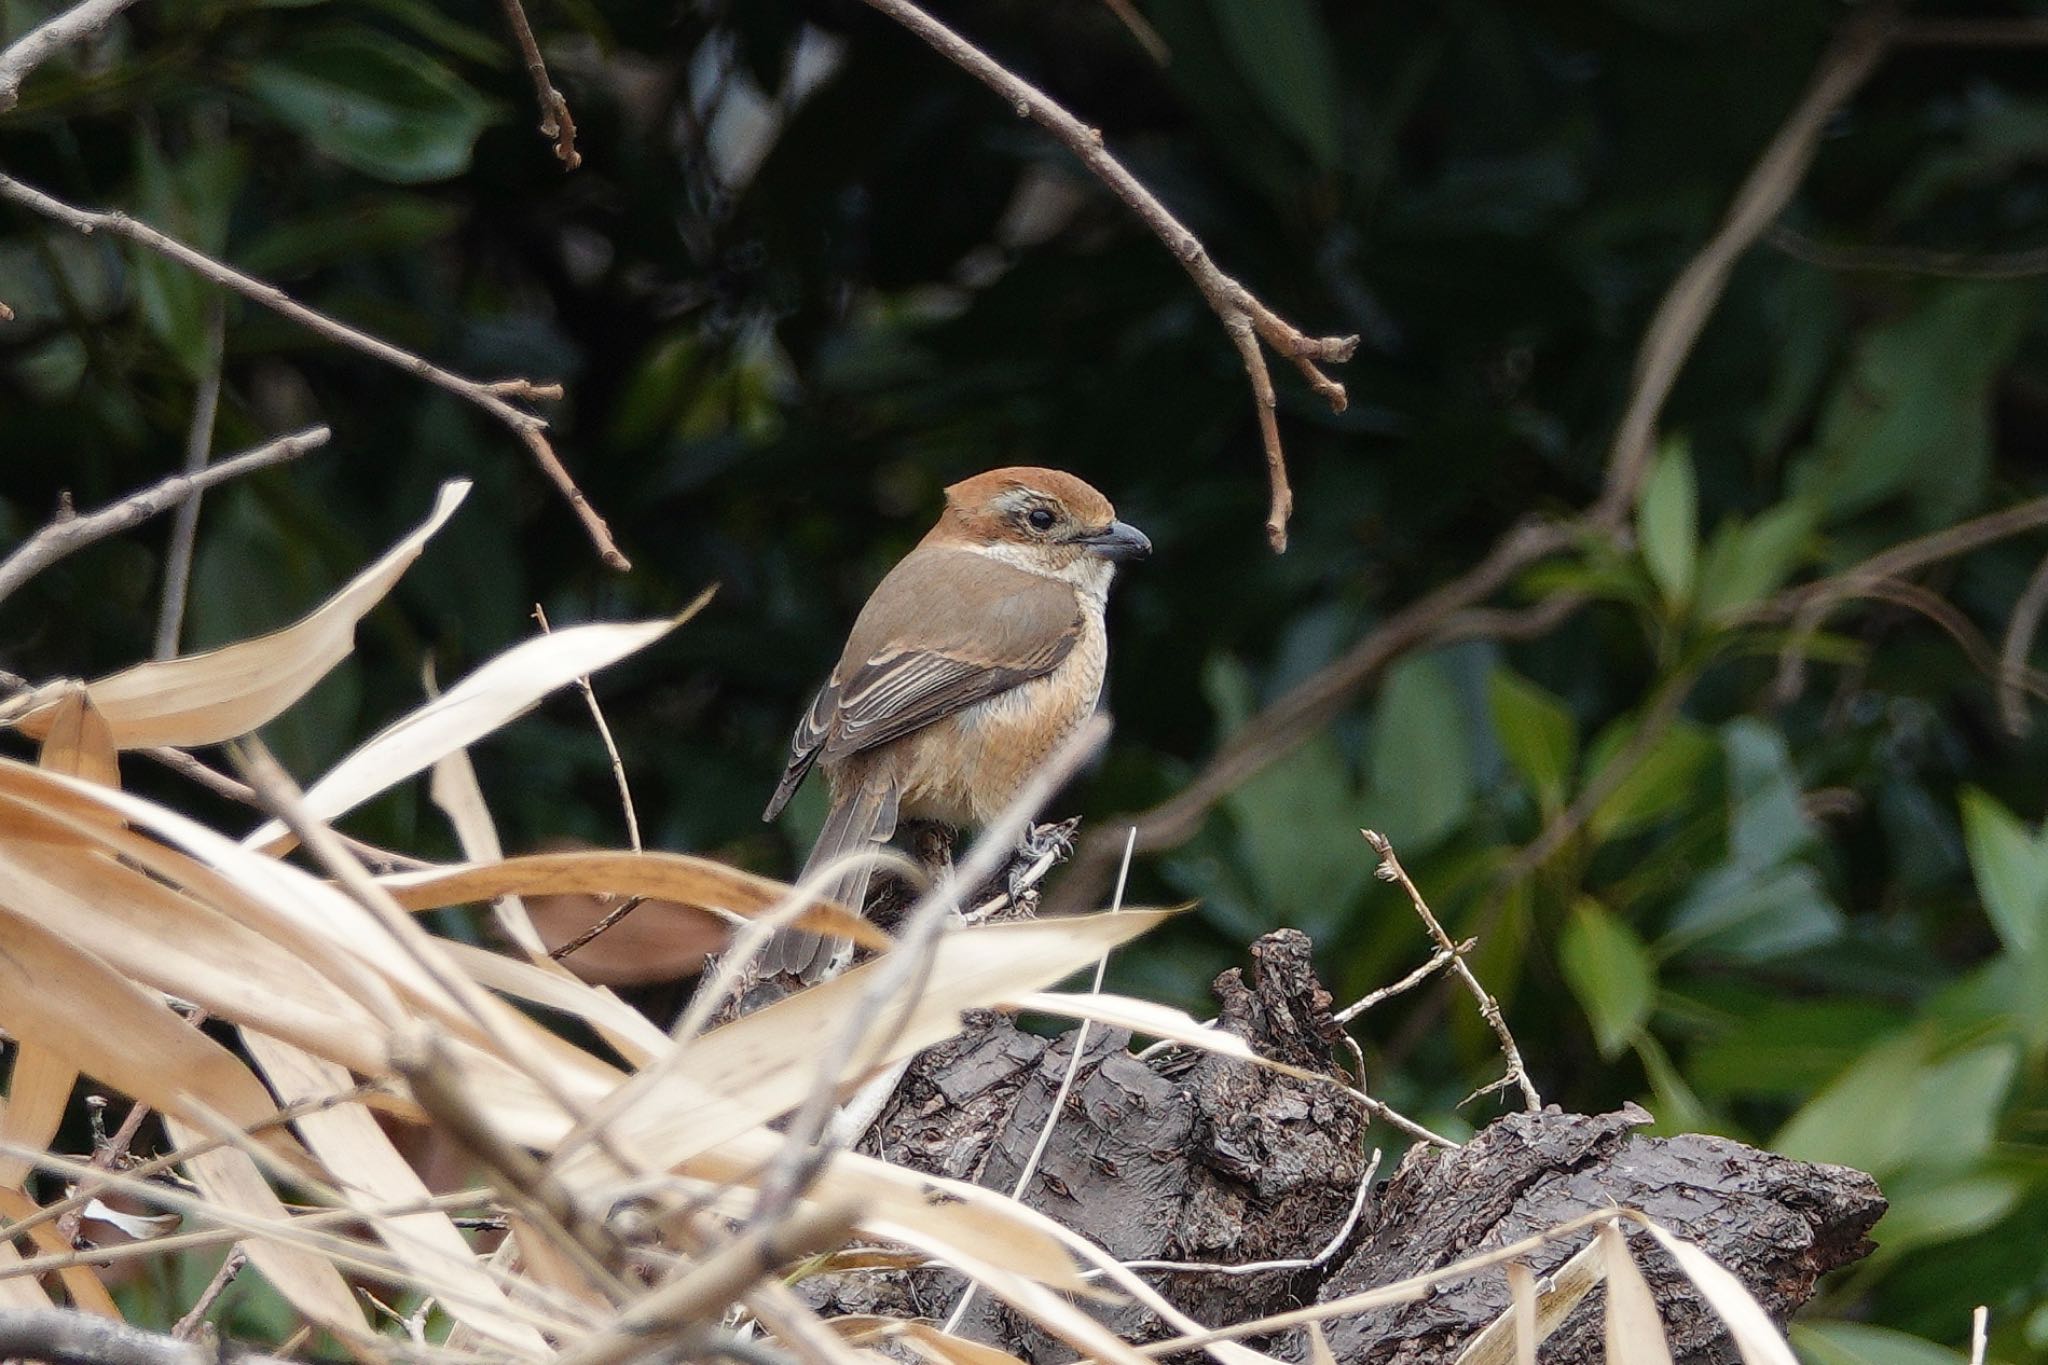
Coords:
1120,542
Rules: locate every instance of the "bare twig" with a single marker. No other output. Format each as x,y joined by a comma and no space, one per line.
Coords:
1980,1333
492,396
1248,321
2015,32
188,1326
611,748
657,1321
170,618
63,1336
109,1156
627,907
1683,313
1407,983
2012,655
39,44
69,534
556,124
1390,870
1911,260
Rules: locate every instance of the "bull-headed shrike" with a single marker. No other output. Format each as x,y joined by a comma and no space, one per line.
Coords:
978,654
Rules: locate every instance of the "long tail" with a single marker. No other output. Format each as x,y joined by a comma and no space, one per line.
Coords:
857,821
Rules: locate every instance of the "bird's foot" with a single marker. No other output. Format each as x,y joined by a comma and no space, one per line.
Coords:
1042,848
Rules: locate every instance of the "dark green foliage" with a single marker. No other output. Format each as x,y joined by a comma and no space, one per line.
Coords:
1818,921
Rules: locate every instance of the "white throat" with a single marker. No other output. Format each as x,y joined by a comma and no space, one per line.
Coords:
1089,575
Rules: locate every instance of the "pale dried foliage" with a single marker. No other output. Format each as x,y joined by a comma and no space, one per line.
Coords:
629,1191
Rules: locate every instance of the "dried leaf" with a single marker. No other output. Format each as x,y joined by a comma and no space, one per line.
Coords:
224,693
1153,1020
495,693
1635,1333
38,1092
677,877
1522,1289
79,741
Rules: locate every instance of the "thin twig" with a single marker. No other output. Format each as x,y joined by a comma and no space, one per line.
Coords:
1980,1333
2012,656
170,617
492,396
39,44
1248,321
187,1327
611,748
1689,302
556,124
1390,870
65,1336
1066,1087
1911,260
1407,983
68,534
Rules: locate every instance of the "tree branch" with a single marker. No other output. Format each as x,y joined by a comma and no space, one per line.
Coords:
491,396
39,44
1456,609
1248,321
556,123
62,1336
65,535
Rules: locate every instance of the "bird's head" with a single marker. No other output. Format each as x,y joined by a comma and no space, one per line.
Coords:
1043,520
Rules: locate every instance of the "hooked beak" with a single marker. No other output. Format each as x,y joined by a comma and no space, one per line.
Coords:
1120,542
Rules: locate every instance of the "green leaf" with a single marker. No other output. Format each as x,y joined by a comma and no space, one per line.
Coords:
2011,867
1910,420
1753,916
373,104
1663,782
1537,732
1610,972
1283,52
1899,1106
384,223
1930,1211
1745,563
1419,757
1789,1048
1667,523
190,199
1860,1343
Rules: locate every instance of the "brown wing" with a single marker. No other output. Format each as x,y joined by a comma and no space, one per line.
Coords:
946,629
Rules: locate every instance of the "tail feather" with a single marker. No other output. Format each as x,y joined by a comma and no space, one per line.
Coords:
862,818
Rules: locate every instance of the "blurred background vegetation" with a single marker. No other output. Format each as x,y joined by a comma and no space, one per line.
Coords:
808,274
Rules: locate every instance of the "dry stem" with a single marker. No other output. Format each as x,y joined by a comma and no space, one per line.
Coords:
1248,321
2012,656
39,44
67,534
1390,870
492,396
170,619
556,124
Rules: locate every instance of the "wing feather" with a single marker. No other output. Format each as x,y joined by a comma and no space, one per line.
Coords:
946,629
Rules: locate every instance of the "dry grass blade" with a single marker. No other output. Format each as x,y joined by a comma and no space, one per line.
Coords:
1551,1300
229,1179
351,1145
1154,1021
1635,1333
79,740
758,1067
453,788
137,1043
215,696
38,1090
1756,1336
498,691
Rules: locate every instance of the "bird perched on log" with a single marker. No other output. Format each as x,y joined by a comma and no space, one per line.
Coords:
978,654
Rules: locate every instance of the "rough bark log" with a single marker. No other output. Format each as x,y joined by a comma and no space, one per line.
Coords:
1196,1158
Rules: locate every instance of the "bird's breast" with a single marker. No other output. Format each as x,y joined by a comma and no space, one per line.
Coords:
964,769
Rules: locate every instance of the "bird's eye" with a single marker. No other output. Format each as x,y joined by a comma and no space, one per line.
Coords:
1040,519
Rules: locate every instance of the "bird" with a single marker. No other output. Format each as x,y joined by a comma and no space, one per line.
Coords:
974,658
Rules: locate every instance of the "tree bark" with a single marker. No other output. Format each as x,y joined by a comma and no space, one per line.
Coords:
1192,1157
